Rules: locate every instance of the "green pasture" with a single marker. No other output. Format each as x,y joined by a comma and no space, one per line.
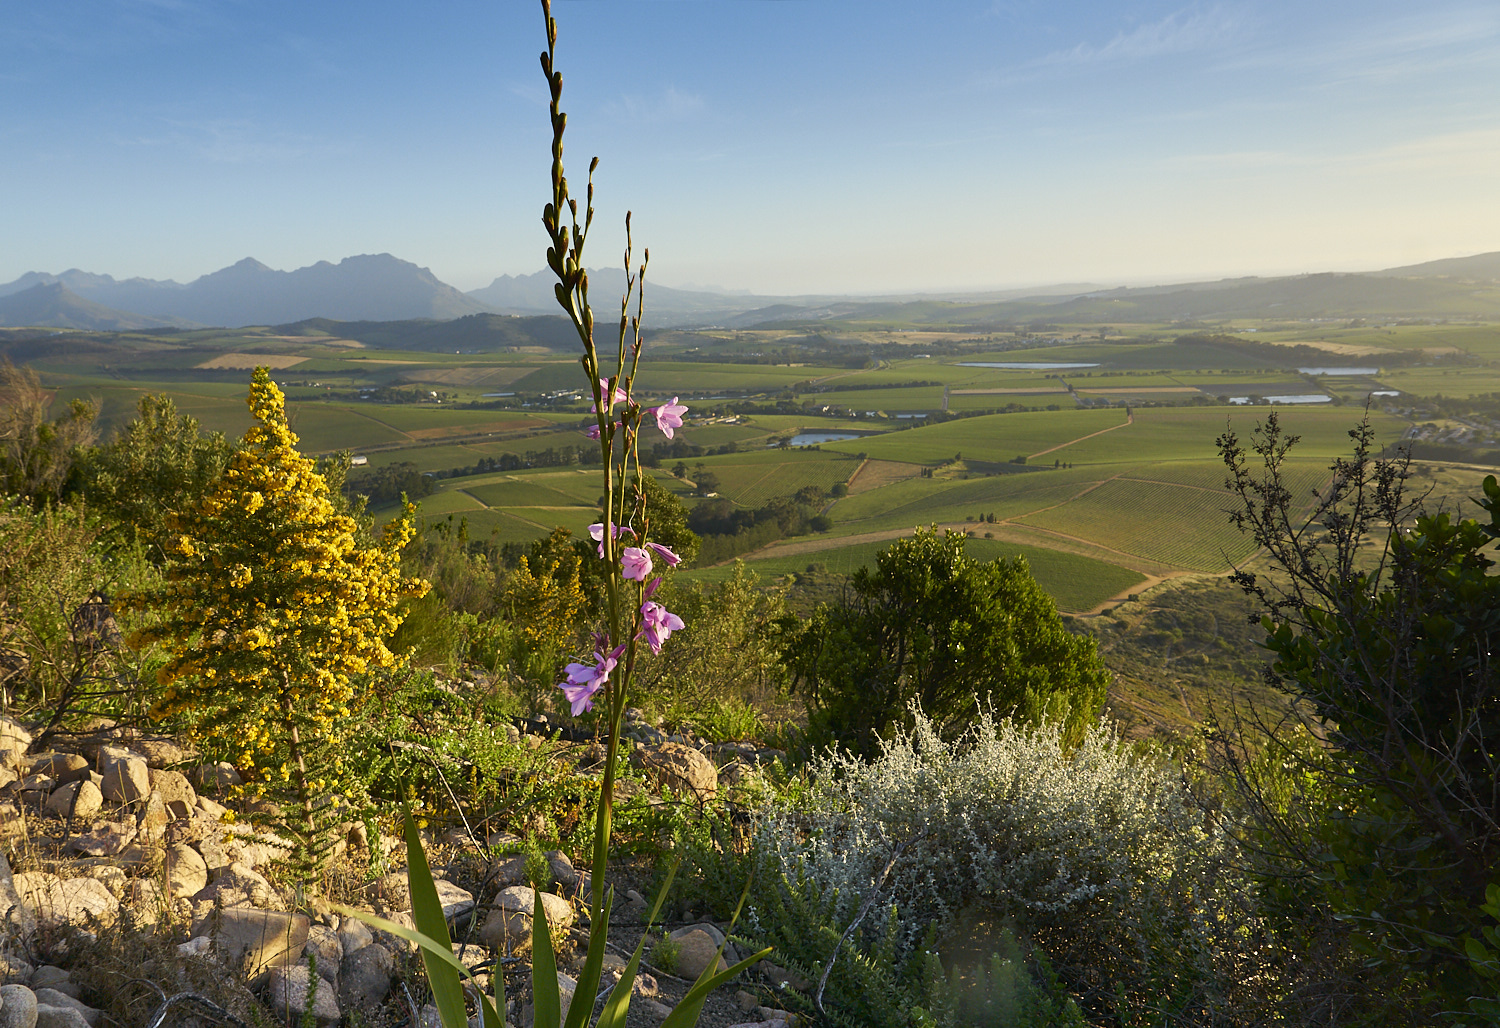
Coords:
1075,583
922,501
996,438
752,479
917,398
1431,381
548,488
1060,399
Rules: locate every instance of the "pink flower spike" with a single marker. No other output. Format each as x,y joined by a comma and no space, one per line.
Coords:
584,680
618,397
669,416
665,554
657,623
651,588
596,532
636,563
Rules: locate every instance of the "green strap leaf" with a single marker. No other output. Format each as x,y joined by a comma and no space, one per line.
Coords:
427,912
685,1014
593,967
544,990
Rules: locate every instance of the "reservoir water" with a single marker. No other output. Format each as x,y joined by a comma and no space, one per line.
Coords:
1338,372
815,438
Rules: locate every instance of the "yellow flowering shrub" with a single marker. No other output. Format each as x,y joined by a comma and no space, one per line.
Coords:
271,608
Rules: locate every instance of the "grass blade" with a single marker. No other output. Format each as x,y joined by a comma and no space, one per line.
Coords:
427,912
593,966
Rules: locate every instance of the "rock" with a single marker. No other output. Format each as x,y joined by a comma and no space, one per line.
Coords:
393,891
503,840
366,977
354,935
50,977
153,818
13,735
680,768
161,751
54,998
455,901
324,947
565,989
257,939
655,1010
176,793
14,970
8,775
563,872
105,839
199,946
509,870
209,810
186,872
65,767
286,994
782,978
395,942
746,1000
696,950
16,918
216,778
77,901
238,885
509,926
126,776
143,897
33,785
48,1016
17,1007
76,799
772,1015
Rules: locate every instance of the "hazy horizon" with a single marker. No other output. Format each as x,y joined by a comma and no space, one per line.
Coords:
779,148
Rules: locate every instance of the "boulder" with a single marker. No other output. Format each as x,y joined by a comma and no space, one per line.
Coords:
354,935
126,776
17,1007
105,839
286,994
509,925
153,818
76,799
455,901
563,872
49,1016
696,950
83,902
187,874
679,768
216,778
14,970
365,977
240,885
161,751
13,735
54,998
176,792
65,767
16,918
257,939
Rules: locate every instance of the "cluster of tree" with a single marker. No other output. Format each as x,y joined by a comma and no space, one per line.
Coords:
728,530
552,457
839,387
678,448
388,484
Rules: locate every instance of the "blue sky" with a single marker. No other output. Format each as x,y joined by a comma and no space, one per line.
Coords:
782,146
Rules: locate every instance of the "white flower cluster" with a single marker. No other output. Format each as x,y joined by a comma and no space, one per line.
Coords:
1097,853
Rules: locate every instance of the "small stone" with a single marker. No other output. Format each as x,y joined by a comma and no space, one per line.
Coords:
210,810
746,1000
31,785
323,945
655,1010
152,822
286,993
455,901
217,778
563,872
64,767
17,1007
196,947
14,734
509,870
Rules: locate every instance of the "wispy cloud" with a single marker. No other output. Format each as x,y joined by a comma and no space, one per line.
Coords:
1184,31
670,104
1466,153
233,141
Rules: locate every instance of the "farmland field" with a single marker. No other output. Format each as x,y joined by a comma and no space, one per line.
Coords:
995,438
1075,583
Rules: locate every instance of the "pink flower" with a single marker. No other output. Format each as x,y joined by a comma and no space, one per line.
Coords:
596,532
665,554
657,623
668,416
586,679
619,395
636,563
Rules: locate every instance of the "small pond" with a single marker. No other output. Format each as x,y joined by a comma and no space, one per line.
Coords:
1339,372
1305,398
817,438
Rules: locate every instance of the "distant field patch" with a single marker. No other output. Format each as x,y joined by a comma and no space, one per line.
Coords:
249,362
1140,390
1074,582
996,438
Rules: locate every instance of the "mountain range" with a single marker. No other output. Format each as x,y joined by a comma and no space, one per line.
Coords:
380,287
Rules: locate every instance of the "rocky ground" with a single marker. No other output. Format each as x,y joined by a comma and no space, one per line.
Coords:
128,899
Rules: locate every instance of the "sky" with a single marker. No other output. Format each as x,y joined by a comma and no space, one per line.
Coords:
776,146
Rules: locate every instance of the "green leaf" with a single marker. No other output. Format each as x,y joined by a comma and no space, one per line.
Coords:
544,991
685,1014
618,1004
427,912
593,967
